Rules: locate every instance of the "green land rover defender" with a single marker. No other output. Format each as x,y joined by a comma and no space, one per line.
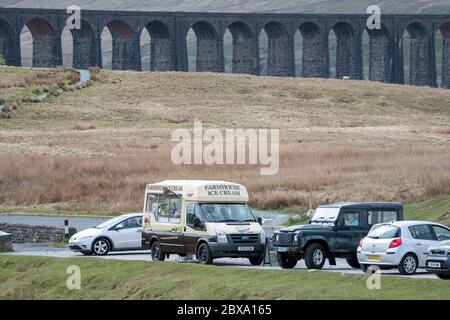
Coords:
334,231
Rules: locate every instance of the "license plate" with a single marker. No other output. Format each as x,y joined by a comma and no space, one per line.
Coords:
374,258
282,249
434,264
245,248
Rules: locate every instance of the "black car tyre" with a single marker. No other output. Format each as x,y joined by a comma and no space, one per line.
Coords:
444,276
315,256
101,247
256,261
353,263
204,255
408,265
157,254
285,261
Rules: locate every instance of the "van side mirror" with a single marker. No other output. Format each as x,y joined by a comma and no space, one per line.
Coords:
260,220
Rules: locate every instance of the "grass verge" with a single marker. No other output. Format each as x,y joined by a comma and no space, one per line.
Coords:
45,278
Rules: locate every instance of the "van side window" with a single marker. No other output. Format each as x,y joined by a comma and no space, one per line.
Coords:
152,203
169,208
193,217
375,217
349,219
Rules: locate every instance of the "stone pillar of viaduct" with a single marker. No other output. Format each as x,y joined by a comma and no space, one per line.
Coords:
168,42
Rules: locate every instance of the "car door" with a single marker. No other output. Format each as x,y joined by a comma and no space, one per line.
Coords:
128,233
423,238
349,230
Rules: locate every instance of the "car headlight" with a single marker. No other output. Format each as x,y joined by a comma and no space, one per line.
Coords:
85,237
263,237
296,237
221,237
275,237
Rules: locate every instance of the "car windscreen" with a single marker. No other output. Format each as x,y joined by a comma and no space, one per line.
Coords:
226,212
109,223
325,214
384,232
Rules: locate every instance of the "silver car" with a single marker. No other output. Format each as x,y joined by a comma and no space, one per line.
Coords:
402,244
438,260
117,234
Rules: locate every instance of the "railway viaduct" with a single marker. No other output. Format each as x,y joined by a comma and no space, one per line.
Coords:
168,32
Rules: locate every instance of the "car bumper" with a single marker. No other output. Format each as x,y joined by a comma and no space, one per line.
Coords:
80,245
287,249
379,259
224,250
444,265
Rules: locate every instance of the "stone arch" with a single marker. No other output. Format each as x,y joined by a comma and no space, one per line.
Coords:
380,55
445,33
44,51
280,51
83,49
348,51
6,45
209,48
124,53
161,46
420,55
244,59
315,57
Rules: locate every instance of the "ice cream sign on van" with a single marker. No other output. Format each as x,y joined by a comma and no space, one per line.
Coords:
223,190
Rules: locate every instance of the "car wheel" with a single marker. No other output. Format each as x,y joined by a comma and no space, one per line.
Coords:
155,251
315,255
353,263
444,276
285,261
408,265
256,261
101,247
204,255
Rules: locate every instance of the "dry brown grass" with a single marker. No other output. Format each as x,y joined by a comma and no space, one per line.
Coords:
307,177
341,140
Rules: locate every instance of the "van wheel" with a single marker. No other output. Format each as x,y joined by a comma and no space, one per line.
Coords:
353,263
204,254
444,276
101,247
285,261
256,261
315,255
157,254
408,265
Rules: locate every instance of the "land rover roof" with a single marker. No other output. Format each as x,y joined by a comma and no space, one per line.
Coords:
364,205
202,190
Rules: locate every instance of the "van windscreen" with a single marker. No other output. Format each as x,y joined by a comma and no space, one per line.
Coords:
226,212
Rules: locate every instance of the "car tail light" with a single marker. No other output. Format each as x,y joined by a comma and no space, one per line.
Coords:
361,242
395,243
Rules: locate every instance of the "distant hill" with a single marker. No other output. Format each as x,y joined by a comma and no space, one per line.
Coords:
319,6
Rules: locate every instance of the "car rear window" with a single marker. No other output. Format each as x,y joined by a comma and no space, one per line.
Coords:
384,232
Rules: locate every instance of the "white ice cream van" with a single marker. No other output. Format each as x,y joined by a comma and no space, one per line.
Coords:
210,219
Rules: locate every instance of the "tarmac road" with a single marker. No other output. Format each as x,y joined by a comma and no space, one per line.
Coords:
64,252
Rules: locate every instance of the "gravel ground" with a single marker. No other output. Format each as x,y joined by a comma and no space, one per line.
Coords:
64,252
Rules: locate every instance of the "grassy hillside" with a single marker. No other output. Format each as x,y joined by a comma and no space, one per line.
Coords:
45,278
95,149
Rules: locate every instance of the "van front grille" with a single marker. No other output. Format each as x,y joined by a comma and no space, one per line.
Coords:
284,239
245,238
